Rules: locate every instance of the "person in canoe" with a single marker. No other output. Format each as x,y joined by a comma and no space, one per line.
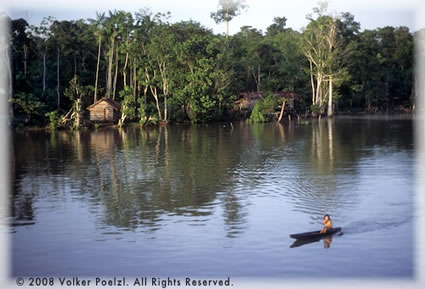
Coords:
327,222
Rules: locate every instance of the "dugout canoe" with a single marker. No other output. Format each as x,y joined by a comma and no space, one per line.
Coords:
315,234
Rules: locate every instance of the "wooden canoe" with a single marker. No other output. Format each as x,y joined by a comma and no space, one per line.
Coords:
315,234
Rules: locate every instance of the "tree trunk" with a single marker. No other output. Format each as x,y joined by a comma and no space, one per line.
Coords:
366,95
97,69
116,73
124,72
58,78
78,112
153,90
162,69
219,108
135,79
130,79
75,65
313,101
282,110
259,78
110,62
10,84
227,23
123,117
330,108
155,95
319,90
25,58
83,61
44,73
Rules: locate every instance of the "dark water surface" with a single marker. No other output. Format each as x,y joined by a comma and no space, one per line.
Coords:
212,200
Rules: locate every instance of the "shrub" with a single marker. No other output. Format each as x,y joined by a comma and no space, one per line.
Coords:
27,105
257,114
315,108
264,109
53,119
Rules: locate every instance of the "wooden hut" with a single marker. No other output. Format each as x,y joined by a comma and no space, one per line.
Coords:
104,110
290,97
247,100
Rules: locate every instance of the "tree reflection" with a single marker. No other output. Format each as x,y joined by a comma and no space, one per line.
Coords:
234,215
144,175
336,148
136,178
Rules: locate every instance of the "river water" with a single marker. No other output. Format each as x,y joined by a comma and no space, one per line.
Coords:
216,200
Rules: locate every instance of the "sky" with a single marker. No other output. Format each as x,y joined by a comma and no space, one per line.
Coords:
259,14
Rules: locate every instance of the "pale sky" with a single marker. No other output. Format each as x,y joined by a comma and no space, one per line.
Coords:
259,14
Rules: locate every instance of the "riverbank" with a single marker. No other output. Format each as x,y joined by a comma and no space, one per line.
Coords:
293,119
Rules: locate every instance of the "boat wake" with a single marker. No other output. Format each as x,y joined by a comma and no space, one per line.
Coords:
366,226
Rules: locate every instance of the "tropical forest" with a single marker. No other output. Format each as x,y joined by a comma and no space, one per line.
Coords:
163,72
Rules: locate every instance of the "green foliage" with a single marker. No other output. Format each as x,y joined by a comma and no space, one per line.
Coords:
77,91
26,104
270,103
142,113
257,114
199,90
315,108
54,119
185,72
79,97
128,104
278,26
264,109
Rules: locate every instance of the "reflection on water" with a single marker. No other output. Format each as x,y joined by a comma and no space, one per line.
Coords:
138,176
326,242
239,188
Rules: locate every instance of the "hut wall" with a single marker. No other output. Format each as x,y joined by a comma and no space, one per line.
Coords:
103,112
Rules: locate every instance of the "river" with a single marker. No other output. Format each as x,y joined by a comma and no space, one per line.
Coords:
216,200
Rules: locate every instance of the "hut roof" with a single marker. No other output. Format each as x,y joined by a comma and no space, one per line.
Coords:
115,105
248,96
287,94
